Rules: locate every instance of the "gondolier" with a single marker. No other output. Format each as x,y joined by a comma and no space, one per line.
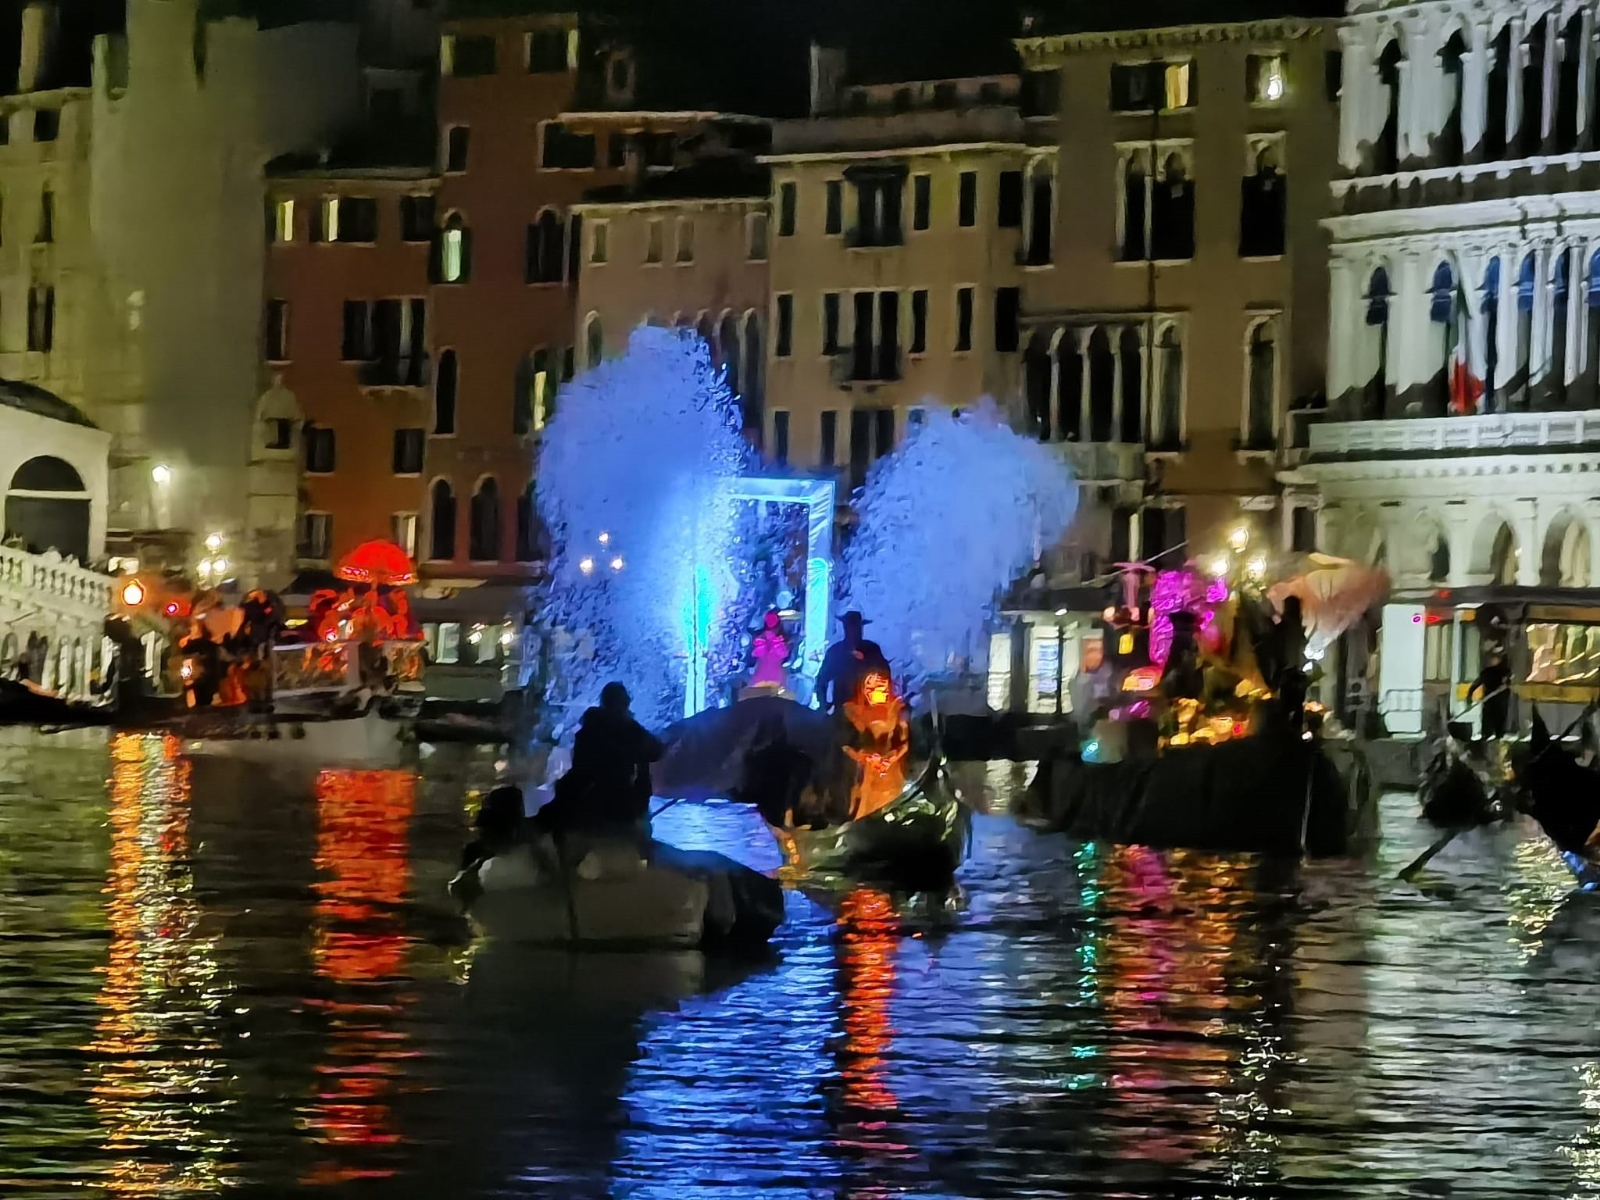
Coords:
847,662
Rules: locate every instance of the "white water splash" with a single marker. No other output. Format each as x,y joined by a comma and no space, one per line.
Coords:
953,516
634,483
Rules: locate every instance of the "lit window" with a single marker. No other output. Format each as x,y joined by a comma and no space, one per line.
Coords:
403,531
453,251
283,219
1264,76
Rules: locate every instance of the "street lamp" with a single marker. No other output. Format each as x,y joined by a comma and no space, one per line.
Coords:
161,474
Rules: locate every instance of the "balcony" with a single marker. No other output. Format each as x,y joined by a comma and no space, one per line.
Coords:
409,370
1103,462
881,366
866,237
1502,432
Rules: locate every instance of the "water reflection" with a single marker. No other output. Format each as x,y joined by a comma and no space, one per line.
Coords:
159,1073
240,983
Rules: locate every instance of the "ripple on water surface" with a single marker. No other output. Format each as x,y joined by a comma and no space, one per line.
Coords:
222,980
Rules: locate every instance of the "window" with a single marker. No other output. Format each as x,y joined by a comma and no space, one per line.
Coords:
968,202
530,534
41,318
545,251
467,57
47,217
277,332
564,150
356,345
280,433
830,322
655,241
320,450
408,449
458,142
1041,221
316,535
444,395
780,437
617,151
46,124
1264,78
416,218
1007,314
877,336
1160,530
594,340
685,251
871,437
1167,421
919,322
483,524
442,523
599,238
282,215
1041,93
756,237
1262,207
783,344
534,403
455,251
963,319
325,220
358,219
1262,371
788,201
403,532
1134,209
445,645
829,438
1302,529
921,201
1376,343
878,210
1151,86
1172,210
1008,202
833,215
547,52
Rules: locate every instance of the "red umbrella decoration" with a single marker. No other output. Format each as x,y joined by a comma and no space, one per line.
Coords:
377,562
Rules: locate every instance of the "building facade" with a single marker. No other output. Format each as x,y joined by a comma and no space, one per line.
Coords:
1180,312
896,250
1459,448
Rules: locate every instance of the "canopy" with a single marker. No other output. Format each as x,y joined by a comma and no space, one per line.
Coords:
378,562
1334,594
706,752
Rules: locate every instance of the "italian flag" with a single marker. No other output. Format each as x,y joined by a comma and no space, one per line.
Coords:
1466,390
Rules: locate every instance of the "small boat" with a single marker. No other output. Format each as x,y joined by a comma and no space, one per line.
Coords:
370,739
916,840
606,894
1563,796
21,704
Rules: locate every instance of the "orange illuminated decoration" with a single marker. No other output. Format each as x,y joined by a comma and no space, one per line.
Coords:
1142,679
883,738
378,562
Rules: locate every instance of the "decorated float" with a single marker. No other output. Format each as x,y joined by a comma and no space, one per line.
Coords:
1202,733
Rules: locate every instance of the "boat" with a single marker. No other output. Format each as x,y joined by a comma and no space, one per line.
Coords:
369,739
605,893
1264,794
1463,783
916,841
1563,797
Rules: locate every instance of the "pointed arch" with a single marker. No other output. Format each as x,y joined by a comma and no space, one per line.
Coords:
441,521
483,536
1564,559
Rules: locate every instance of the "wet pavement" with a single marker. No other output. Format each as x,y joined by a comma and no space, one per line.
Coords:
219,979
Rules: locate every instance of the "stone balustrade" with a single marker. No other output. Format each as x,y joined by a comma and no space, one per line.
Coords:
1453,435
53,583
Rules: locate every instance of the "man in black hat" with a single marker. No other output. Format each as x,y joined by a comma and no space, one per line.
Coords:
847,663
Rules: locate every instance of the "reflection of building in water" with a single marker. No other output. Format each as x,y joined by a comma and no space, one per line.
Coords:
360,948
158,1072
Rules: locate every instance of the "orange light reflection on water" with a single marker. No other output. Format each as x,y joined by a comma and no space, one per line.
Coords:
359,945
159,1081
870,933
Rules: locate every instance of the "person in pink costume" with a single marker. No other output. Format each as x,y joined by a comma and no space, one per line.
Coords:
771,652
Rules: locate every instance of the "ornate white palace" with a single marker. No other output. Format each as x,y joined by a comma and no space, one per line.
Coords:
1468,213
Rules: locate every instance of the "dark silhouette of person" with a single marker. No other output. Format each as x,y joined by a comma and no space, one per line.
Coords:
847,662
609,783
499,823
205,666
1494,681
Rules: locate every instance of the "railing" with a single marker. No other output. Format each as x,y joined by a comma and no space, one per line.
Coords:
50,580
410,370
1448,435
878,367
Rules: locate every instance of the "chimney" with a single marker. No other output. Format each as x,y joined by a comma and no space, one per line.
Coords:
38,28
827,79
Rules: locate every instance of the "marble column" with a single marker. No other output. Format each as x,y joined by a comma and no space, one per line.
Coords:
1513,82
1474,90
1081,334
1343,301
1114,332
1359,77
1586,35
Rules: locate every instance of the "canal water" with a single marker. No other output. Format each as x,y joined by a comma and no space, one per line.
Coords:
217,979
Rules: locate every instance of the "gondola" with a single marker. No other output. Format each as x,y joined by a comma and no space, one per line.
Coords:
1563,796
916,841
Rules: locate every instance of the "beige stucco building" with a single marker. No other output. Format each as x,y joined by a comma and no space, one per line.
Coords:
132,252
687,249
1183,313
896,261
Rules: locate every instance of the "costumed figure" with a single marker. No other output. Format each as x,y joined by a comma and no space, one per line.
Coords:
771,652
202,666
882,741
